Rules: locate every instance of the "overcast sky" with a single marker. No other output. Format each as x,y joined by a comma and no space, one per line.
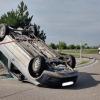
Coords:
72,21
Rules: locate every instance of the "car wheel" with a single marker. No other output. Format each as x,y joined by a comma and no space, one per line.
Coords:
70,61
37,66
2,31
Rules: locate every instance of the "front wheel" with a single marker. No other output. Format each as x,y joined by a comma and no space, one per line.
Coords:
37,66
70,61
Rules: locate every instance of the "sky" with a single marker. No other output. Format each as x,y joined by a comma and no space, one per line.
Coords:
71,21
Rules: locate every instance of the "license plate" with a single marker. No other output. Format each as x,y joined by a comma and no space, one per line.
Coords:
67,83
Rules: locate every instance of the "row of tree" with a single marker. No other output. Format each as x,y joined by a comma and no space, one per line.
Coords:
20,18
63,45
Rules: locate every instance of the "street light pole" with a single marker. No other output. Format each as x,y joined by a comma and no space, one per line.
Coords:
80,51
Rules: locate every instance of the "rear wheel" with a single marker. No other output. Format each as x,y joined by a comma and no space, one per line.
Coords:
37,66
70,61
3,30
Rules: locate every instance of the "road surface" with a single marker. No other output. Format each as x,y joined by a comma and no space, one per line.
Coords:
87,88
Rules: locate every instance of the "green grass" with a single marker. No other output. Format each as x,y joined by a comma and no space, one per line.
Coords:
90,51
76,53
83,62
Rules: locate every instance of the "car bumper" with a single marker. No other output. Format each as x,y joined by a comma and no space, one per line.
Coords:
56,79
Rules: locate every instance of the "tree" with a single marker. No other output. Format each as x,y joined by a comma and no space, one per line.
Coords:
23,15
77,46
10,18
62,45
39,33
20,18
72,46
53,46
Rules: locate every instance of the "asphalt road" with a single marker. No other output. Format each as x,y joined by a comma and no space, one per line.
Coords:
87,88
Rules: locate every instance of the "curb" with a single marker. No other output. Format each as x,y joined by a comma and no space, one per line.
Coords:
93,60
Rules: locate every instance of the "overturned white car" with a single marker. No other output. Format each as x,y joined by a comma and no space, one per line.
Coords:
29,58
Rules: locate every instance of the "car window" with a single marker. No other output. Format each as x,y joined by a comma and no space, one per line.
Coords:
3,59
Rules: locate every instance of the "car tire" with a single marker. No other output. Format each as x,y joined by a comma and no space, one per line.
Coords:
3,31
37,66
70,61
